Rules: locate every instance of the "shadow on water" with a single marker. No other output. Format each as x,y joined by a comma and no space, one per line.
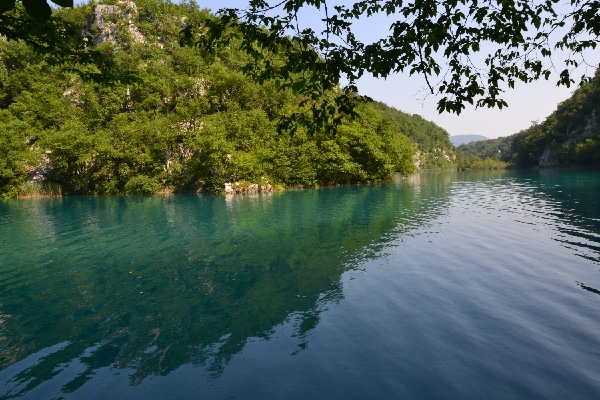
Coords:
145,285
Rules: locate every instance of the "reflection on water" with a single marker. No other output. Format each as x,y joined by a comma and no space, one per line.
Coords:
151,283
110,292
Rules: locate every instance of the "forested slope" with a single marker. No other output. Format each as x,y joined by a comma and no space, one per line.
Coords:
170,118
433,143
490,148
569,136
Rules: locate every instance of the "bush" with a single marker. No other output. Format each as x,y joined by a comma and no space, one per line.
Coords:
142,184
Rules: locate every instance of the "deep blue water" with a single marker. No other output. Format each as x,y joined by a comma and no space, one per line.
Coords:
481,285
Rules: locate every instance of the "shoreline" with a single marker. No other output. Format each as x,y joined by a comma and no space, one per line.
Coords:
280,189
242,188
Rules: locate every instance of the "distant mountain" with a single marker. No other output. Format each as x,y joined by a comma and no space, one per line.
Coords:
457,140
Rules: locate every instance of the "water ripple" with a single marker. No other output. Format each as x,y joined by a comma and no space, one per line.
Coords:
441,285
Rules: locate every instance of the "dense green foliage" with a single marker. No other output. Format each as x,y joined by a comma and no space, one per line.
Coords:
174,120
435,151
491,148
467,52
569,136
464,162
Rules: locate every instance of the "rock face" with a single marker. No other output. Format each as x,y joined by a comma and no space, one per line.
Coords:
417,160
38,173
584,128
547,159
247,187
108,22
593,124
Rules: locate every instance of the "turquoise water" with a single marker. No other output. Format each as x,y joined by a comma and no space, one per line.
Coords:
440,286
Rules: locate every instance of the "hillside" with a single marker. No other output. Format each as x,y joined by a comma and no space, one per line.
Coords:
567,137
490,148
435,150
457,140
170,118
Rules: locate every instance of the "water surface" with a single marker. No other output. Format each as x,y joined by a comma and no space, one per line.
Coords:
443,286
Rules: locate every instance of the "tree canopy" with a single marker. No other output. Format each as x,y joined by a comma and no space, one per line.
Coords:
468,51
176,120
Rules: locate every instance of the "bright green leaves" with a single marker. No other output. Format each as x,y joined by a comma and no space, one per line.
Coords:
291,63
15,153
57,35
183,119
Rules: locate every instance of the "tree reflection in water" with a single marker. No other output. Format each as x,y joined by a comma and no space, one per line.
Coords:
148,284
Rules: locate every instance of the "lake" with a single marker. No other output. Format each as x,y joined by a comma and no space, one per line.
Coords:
443,285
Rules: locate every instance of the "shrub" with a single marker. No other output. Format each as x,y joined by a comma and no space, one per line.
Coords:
142,184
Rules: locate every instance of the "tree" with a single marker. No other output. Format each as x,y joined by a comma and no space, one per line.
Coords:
439,40
185,122
34,24
58,37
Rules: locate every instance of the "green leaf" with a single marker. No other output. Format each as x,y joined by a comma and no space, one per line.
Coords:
39,10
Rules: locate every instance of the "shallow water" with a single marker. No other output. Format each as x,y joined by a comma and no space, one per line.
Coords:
442,285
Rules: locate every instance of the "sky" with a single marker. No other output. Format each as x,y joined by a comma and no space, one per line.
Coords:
527,103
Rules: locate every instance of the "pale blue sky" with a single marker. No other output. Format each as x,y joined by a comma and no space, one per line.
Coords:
527,102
